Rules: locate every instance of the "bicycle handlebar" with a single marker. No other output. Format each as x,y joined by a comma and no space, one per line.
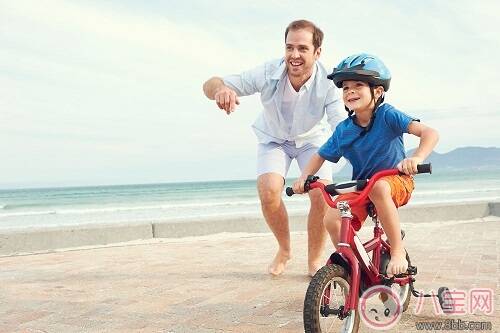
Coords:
424,168
364,185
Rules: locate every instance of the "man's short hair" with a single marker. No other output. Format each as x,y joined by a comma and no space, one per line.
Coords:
304,24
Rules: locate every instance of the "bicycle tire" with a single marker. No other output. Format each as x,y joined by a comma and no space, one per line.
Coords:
405,301
404,293
313,301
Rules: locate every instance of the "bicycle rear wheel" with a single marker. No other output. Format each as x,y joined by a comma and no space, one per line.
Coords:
328,289
403,292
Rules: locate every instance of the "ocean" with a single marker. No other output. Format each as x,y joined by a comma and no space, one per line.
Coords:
184,202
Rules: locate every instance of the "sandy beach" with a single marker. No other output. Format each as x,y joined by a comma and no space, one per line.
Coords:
218,282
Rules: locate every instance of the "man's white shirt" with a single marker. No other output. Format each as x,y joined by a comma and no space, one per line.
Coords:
306,116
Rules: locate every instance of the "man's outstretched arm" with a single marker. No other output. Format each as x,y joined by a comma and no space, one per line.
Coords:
225,97
211,86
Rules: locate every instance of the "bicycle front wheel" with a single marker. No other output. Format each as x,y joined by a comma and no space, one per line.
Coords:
327,293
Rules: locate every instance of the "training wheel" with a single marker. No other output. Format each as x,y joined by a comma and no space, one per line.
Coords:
445,300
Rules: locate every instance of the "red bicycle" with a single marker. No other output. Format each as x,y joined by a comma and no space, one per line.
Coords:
333,295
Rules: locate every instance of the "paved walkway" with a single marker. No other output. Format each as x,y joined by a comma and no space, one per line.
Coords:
218,283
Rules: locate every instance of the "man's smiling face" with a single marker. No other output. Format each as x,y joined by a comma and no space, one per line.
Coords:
300,54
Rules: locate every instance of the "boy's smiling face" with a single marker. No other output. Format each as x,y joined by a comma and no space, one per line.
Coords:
357,95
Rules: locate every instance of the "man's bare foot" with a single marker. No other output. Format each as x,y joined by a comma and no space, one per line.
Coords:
314,267
398,263
277,266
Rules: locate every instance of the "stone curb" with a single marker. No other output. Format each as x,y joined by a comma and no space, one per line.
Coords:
14,241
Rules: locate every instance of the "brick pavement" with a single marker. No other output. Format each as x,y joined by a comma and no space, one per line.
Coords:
218,283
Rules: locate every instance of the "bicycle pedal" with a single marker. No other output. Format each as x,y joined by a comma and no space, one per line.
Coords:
412,270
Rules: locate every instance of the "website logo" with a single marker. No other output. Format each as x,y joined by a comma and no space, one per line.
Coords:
380,308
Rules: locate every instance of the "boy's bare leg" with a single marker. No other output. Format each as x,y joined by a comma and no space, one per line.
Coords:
270,186
332,222
389,217
316,232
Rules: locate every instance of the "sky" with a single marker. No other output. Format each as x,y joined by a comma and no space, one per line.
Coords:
110,92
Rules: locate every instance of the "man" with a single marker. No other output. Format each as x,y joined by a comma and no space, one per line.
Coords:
295,94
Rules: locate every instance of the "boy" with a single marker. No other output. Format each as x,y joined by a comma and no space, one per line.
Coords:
372,140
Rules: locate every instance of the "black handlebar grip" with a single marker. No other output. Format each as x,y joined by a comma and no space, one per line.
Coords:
424,168
289,191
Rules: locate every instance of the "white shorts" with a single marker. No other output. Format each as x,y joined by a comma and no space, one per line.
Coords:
274,157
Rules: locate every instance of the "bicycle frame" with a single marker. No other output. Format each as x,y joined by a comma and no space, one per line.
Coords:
353,251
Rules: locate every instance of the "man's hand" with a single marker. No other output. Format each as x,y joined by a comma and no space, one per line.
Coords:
226,99
409,165
298,185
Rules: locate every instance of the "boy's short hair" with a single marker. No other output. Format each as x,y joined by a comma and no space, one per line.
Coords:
305,24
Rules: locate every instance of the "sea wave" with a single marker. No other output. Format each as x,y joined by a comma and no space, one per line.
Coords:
458,191
114,209
453,200
219,206
21,206
29,213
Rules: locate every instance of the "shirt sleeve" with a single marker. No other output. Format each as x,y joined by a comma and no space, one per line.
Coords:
398,121
248,82
334,108
330,151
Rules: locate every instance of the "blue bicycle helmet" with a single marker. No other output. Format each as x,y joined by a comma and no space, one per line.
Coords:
362,67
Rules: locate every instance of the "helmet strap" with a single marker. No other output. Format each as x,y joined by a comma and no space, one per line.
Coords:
349,112
379,101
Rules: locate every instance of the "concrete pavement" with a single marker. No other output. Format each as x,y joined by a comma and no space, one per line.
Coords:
218,283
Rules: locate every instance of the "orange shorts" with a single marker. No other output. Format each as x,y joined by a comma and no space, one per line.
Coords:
401,188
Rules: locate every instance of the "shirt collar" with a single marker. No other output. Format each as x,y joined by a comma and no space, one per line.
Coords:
280,73
309,82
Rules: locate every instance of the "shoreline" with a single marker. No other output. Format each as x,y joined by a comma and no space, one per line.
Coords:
15,241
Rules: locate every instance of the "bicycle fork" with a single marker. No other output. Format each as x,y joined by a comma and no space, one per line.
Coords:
345,251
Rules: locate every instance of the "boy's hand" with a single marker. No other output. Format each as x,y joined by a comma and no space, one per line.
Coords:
298,185
409,165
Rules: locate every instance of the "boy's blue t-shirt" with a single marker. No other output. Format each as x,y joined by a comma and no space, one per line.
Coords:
379,148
